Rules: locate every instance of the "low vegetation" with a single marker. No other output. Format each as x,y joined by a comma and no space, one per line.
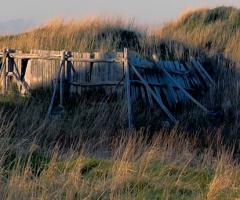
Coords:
78,158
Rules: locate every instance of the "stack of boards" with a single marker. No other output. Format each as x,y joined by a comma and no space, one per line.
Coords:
172,82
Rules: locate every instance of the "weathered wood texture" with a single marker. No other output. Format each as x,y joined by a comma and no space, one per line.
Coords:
40,72
172,82
163,83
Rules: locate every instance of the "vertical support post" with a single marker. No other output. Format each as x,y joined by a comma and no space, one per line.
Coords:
4,72
62,78
127,87
7,64
68,73
55,88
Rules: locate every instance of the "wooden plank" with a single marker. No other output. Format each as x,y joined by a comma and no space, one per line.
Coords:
96,60
186,78
180,77
168,90
62,79
157,88
171,89
203,72
4,74
185,92
201,78
194,78
150,101
127,88
22,83
160,103
55,90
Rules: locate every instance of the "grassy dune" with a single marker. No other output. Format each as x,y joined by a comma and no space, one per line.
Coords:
206,30
90,155
211,30
83,35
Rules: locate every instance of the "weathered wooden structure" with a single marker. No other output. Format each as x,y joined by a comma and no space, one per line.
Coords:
154,82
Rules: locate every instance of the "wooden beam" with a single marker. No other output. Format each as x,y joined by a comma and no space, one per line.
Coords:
96,60
62,79
127,88
183,91
58,57
160,103
22,83
202,71
55,90
69,76
4,73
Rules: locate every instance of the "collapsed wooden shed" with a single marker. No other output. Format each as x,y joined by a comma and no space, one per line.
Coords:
154,82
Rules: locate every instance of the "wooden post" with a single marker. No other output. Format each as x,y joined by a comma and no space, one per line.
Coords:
68,74
62,78
7,70
127,87
55,90
4,68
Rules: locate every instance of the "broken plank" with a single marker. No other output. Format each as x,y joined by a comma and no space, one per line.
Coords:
164,108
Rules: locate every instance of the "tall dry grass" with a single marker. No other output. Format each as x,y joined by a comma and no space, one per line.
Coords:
128,166
89,155
80,35
212,31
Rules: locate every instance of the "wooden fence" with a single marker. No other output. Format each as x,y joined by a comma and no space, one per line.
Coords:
154,82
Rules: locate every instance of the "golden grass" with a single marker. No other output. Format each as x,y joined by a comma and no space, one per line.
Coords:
89,154
81,35
72,159
212,31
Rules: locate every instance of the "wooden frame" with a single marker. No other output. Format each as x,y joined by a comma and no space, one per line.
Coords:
169,79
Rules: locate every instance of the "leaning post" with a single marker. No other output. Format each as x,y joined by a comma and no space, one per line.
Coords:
127,87
68,72
4,68
62,77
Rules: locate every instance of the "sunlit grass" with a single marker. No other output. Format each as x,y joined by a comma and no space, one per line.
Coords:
90,155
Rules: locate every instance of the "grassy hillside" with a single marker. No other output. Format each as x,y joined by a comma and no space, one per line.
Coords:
212,30
88,154
84,35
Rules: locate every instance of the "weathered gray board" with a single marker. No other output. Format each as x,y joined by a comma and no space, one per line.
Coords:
40,73
172,81
189,76
165,83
